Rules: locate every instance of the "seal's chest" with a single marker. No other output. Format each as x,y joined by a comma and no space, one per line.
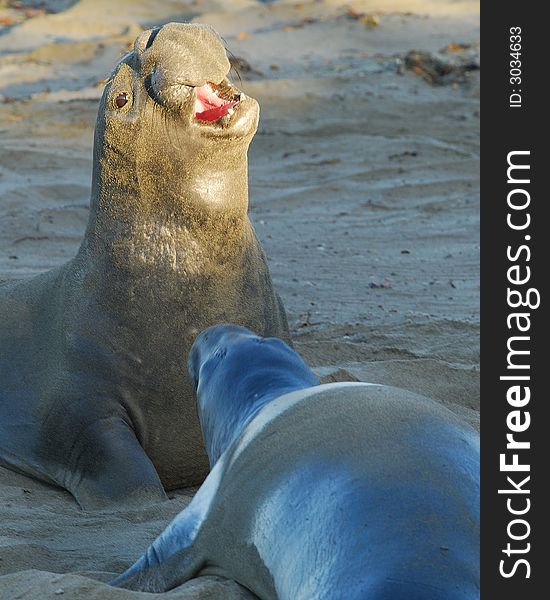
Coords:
160,251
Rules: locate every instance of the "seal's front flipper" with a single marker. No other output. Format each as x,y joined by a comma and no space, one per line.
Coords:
147,575
175,556
108,466
172,558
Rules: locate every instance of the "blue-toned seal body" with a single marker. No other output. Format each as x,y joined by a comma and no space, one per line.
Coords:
236,373
320,492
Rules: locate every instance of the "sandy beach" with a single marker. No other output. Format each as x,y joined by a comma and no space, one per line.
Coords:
364,191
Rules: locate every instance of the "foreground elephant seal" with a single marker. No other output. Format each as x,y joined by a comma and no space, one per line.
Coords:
343,491
94,395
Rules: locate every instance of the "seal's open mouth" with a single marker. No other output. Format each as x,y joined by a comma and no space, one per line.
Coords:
215,101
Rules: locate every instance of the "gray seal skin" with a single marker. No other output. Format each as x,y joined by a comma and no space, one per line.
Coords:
94,393
343,491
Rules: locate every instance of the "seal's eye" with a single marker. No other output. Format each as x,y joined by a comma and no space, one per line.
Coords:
122,99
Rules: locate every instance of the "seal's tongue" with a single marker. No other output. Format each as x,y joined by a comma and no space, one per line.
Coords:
209,106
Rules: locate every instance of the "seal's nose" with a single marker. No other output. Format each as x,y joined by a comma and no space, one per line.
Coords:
152,37
145,40
188,53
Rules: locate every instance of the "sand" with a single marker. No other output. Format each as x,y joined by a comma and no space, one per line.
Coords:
364,190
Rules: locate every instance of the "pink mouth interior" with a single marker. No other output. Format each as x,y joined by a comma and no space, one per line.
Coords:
209,106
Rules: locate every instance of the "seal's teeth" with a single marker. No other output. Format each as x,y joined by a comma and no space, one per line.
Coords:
230,111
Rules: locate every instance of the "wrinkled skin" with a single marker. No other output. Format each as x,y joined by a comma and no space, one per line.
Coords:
94,393
343,491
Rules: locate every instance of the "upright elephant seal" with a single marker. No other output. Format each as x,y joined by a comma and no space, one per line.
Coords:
94,395
343,491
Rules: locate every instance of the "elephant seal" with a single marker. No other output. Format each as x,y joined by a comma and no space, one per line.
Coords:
94,394
320,492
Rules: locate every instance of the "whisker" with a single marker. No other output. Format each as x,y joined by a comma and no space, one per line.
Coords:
233,67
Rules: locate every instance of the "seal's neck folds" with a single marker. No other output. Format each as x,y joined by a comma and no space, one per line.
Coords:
191,188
